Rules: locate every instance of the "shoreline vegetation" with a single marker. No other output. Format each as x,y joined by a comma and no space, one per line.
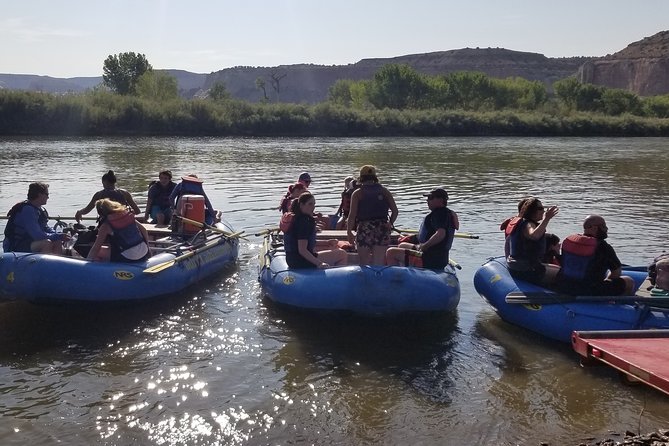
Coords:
397,101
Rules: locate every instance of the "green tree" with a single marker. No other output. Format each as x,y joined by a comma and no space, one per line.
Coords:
469,90
157,85
616,102
122,71
340,92
219,92
398,87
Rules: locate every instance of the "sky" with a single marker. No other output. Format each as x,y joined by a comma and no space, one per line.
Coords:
72,38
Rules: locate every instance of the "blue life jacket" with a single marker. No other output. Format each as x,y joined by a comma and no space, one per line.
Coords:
126,233
16,239
578,252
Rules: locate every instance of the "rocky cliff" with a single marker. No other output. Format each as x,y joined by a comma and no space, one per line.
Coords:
310,83
642,67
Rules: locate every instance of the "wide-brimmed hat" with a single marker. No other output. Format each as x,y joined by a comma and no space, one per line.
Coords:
437,193
192,178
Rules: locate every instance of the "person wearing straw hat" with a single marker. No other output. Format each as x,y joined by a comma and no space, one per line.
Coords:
368,215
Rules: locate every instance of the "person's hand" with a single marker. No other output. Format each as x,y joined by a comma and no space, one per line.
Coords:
77,216
551,212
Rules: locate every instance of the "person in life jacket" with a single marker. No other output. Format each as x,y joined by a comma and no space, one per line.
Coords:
294,191
300,239
590,265
350,185
370,204
508,224
158,205
527,244
27,229
192,185
127,238
109,190
435,236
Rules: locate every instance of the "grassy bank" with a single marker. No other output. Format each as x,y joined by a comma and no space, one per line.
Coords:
102,113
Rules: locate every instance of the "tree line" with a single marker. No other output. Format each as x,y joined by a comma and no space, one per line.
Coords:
397,101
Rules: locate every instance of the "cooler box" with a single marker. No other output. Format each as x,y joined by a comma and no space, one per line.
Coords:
191,207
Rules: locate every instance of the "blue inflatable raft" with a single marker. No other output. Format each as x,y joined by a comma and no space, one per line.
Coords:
42,278
368,290
556,316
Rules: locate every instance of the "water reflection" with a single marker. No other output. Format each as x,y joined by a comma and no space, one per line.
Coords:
218,365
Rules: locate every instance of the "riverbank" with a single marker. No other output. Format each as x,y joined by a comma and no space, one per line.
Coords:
106,114
659,437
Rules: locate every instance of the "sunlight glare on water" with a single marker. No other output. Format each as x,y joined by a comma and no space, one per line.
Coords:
220,365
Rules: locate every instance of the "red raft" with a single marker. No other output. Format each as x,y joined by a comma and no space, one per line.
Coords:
641,355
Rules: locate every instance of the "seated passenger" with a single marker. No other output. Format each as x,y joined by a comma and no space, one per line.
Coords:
158,202
435,236
300,239
527,244
508,224
590,266
109,190
127,238
192,185
294,191
27,228
552,255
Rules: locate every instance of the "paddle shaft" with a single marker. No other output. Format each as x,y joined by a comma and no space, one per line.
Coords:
163,266
518,297
213,228
456,235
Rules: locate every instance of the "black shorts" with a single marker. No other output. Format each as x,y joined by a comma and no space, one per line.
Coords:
296,261
613,287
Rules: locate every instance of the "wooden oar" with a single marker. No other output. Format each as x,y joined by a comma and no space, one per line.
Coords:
212,228
456,235
538,297
57,218
266,231
170,263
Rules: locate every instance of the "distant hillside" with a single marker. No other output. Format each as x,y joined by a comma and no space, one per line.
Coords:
310,83
642,67
189,83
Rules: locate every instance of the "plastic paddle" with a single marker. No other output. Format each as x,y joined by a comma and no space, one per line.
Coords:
538,297
212,228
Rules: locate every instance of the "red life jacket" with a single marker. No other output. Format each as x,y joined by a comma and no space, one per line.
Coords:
286,222
578,251
509,224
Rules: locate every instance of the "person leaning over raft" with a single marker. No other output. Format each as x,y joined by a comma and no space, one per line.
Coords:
191,184
300,239
27,229
128,239
527,243
586,259
158,201
109,190
435,236
370,204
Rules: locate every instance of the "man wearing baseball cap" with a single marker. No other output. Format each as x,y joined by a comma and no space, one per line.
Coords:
435,236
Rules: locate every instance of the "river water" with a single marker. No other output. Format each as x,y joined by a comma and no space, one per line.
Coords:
220,365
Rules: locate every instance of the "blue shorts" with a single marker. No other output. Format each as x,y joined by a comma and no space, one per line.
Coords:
155,210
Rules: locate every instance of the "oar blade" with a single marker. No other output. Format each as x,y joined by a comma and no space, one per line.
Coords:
159,267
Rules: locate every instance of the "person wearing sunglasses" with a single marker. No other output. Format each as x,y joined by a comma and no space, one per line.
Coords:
527,243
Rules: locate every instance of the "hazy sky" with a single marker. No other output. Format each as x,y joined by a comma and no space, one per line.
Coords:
69,38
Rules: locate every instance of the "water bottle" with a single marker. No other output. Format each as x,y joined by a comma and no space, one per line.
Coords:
71,242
